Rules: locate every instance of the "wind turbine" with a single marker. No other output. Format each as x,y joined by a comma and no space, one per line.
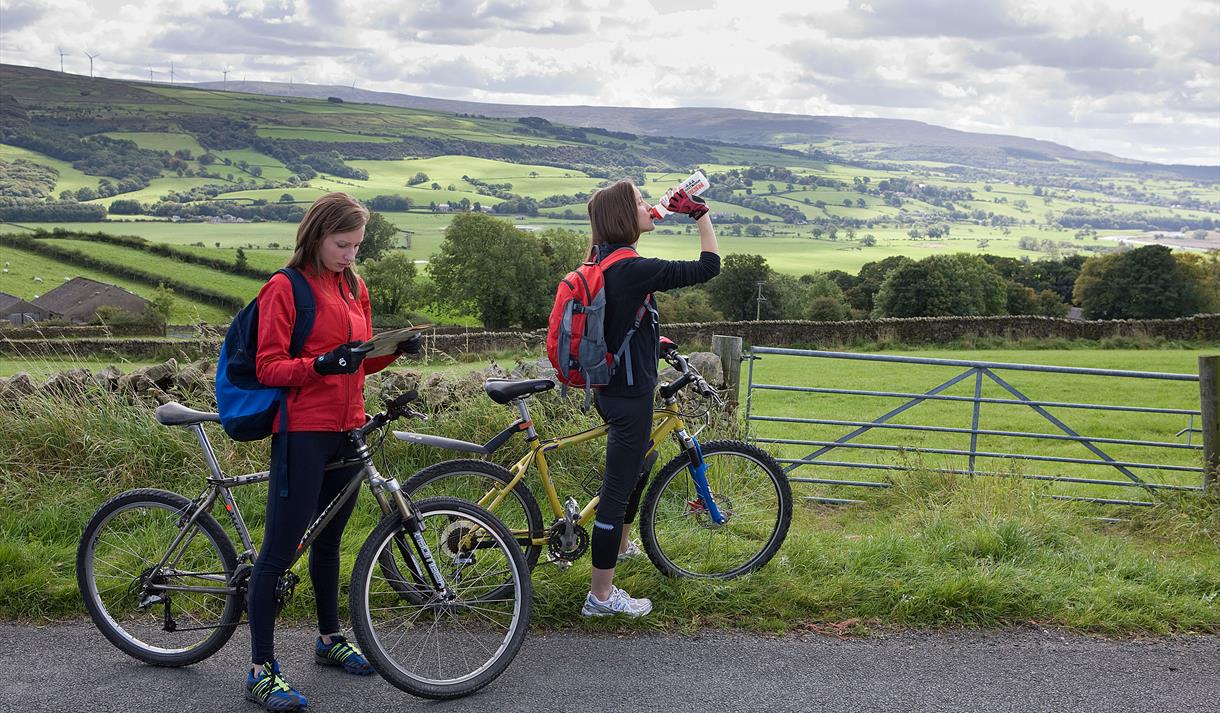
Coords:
61,59
91,58
225,86
150,74
171,72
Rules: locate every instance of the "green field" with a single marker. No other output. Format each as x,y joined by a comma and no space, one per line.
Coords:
911,378
792,250
69,178
24,266
241,287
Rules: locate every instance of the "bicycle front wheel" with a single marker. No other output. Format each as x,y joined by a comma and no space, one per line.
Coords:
173,615
457,639
750,490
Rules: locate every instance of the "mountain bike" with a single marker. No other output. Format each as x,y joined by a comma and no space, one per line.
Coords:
716,510
163,582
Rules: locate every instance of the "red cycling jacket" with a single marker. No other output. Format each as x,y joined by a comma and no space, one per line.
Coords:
316,402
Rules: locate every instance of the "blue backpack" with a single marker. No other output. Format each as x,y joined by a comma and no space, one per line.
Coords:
248,407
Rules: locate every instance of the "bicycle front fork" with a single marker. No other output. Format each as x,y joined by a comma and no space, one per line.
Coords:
390,497
698,474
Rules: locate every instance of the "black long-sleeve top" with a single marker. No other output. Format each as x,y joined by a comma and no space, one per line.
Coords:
628,283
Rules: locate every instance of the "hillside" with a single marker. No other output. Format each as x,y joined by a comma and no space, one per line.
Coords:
210,172
746,127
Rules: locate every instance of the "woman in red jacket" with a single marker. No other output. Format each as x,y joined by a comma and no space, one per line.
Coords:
325,387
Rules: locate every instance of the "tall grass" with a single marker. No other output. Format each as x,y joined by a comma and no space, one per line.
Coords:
932,550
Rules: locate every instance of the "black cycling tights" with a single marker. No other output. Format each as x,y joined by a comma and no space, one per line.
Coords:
311,489
630,420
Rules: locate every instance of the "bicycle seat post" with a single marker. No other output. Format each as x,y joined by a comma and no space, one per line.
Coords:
523,412
208,453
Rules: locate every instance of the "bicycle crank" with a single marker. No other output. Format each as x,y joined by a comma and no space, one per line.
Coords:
567,541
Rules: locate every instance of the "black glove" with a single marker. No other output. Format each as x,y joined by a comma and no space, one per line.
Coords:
411,345
693,206
343,359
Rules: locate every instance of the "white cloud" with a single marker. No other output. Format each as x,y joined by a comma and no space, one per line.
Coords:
1136,78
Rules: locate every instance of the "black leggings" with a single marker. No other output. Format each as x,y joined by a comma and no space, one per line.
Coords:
630,420
312,488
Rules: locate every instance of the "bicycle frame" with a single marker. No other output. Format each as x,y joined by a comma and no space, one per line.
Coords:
220,488
670,423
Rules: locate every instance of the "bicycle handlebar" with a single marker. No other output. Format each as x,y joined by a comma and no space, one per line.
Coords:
395,408
689,376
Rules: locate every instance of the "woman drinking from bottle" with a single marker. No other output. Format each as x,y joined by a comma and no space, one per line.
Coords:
618,215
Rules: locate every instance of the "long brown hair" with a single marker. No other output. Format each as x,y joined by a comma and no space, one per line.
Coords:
332,213
612,215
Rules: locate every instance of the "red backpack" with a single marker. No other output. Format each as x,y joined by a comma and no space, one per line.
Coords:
576,336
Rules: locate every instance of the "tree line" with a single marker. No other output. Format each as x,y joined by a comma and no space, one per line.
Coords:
507,276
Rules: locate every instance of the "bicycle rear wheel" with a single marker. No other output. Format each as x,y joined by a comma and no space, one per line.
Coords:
475,481
453,642
750,490
150,614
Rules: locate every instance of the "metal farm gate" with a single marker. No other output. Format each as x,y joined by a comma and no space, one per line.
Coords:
824,424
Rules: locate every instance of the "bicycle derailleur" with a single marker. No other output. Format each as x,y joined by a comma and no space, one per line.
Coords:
567,540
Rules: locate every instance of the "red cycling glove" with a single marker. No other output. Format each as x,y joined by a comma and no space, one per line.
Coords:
693,206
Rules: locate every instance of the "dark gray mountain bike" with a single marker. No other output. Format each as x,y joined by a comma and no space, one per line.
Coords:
440,592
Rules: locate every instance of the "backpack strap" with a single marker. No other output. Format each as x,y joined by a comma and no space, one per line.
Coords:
624,354
306,308
618,254
306,311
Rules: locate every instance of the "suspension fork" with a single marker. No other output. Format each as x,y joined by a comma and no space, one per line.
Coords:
392,500
697,467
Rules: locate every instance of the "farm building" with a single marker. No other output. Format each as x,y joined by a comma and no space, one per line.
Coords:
15,310
78,299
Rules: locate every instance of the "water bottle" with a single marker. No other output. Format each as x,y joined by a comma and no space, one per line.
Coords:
695,184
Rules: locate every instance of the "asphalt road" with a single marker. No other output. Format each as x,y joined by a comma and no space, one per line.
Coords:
70,667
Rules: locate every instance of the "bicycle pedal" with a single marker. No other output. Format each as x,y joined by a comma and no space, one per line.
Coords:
559,562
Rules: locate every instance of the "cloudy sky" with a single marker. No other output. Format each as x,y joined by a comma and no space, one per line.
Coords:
1135,78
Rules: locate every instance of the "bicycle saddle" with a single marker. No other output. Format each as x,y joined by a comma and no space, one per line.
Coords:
504,390
175,414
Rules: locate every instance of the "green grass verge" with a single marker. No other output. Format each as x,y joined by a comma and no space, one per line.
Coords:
931,551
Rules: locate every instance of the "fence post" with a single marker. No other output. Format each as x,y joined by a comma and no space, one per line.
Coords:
1209,405
729,351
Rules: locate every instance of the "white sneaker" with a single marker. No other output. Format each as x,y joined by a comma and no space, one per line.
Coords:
633,550
619,603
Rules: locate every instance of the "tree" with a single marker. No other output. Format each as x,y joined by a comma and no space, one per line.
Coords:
1145,283
504,275
240,260
417,179
868,241
380,236
861,294
689,306
390,203
826,309
942,285
162,305
735,289
125,206
391,283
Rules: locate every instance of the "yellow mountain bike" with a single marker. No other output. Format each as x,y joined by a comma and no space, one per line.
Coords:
716,510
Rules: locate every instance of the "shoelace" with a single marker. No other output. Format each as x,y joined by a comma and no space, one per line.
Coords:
273,680
341,651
